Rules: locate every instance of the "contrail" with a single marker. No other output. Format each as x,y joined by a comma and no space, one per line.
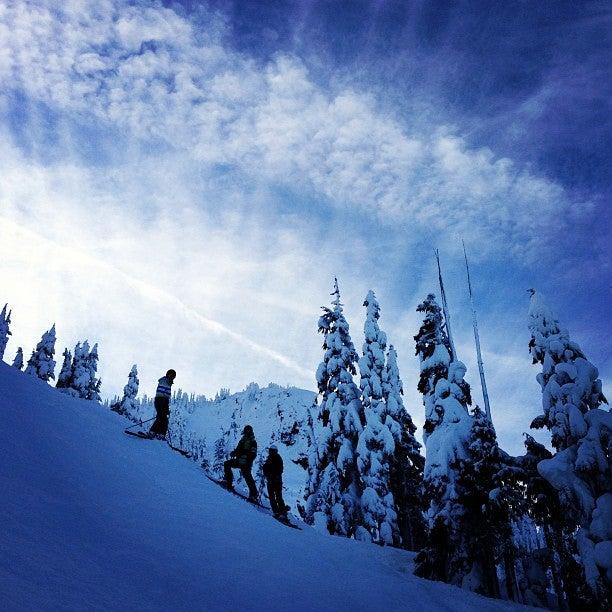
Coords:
154,293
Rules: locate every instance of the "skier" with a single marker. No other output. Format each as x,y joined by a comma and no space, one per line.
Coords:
159,429
273,471
242,458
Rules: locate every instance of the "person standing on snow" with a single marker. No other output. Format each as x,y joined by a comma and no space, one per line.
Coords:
159,429
242,458
273,471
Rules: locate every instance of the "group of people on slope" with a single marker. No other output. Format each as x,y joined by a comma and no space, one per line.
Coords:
241,458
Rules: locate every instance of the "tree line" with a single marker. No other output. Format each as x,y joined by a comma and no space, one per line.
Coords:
525,528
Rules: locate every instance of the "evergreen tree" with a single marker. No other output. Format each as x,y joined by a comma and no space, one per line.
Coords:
5,332
18,361
489,493
532,571
93,387
41,363
80,379
65,376
260,479
580,432
334,490
128,404
376,444
446,395
220,455
544,508
407,463
563,364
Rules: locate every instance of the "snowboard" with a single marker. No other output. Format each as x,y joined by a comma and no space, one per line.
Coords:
257,505
145,435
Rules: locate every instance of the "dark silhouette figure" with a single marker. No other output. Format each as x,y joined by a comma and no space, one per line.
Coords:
163,394
273,471
242,458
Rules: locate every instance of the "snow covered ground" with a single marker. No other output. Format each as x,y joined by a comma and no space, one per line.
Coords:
94,519
206,426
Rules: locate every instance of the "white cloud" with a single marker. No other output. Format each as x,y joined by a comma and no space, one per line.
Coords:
167,262
232,296
150,71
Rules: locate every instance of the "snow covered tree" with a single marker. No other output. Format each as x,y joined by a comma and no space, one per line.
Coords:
446,396
83,382
406,469
74,373
93,388
434,352
489,493
65,376
544,508
376,441
570,383
18,361
532,569
41,363
581,432
334,489
127,405
260,479
5,332
220,455
78,374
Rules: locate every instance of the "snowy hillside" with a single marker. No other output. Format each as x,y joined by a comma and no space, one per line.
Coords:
210,429
94,519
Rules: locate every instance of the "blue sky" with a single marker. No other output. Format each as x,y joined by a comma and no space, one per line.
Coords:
182,181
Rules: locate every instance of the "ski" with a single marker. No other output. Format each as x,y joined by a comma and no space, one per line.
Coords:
180,450
139,434
147,436
257,505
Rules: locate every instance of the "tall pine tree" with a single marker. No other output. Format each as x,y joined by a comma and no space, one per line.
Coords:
544,508
376,444
489,493
65,376
581,432
446,554
93,387
334,490
407,462
5,332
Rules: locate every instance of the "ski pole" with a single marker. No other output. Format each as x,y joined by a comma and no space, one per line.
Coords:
139,423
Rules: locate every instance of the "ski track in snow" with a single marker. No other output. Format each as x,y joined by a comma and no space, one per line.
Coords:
94,519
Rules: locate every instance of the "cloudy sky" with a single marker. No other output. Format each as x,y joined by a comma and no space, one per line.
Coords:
180,182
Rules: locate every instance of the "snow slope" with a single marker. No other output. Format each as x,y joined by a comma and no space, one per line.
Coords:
277,414
94,519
